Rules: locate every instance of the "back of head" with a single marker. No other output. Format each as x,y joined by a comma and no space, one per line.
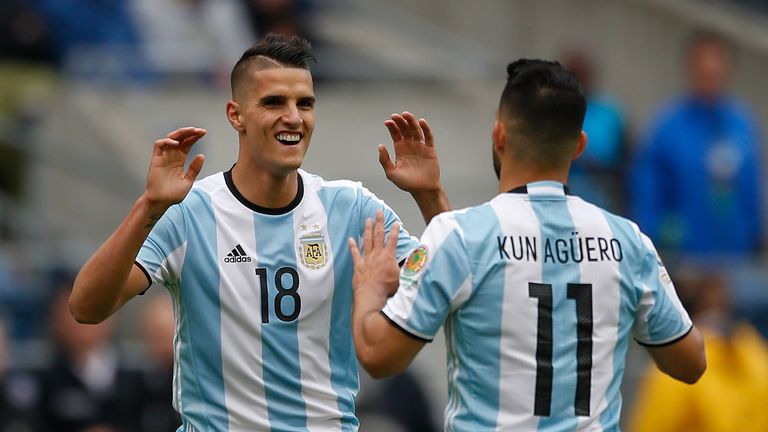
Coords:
542,109
272,51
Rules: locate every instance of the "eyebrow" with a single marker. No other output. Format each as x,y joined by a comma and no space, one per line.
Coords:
310,99
268,99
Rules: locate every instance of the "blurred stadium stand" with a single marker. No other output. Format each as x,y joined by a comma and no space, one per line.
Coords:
82,143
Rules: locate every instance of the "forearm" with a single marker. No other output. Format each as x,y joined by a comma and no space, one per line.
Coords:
431,203
100,286
365,313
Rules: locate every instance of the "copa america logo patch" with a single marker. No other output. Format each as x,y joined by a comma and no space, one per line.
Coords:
415,261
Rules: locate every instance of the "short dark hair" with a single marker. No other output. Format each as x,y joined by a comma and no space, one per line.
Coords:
543,108
273,50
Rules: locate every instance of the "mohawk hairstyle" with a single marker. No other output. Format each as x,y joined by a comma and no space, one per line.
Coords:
273,51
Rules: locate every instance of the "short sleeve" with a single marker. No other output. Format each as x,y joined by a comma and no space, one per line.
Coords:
435,280
159,255
661,318
369,204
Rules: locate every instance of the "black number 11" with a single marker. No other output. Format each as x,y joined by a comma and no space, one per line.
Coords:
582,294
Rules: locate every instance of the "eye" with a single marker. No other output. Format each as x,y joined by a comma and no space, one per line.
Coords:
306,103
272,101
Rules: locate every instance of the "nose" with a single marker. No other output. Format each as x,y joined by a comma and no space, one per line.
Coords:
292,116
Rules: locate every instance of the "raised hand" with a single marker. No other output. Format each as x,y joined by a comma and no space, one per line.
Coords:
416,167
167,183
376,271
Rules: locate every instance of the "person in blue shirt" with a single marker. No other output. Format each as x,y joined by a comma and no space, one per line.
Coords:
695,180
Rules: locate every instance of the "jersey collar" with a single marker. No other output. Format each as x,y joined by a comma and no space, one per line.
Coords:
542,188
259,209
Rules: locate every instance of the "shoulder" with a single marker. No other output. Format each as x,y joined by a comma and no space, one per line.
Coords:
203,191
316,183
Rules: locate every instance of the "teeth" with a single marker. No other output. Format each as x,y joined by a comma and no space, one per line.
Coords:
290,137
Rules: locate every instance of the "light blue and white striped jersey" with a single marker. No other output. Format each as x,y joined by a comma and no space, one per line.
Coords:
540,292
263,302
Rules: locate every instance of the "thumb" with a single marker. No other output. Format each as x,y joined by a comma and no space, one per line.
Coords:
385,160
194,167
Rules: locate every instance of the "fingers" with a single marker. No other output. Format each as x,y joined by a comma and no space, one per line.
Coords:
394,232
429,138
163,144
368,237
385,160
407,126
378,230
183,133
413,126
195,166
402,125
394,130
354,251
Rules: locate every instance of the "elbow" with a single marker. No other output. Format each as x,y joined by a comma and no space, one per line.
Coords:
694,373
81,315
376,366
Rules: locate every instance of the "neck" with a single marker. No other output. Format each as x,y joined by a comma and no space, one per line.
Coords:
514,175
264,188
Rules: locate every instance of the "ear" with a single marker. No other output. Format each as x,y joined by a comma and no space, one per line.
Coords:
581,145
499,136
233,115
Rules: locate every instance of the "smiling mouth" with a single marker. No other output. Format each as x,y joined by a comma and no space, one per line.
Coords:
288,138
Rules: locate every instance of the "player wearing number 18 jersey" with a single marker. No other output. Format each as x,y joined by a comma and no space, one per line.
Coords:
540,292
254,258
267,289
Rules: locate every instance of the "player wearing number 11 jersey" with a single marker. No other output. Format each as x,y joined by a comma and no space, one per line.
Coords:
539,291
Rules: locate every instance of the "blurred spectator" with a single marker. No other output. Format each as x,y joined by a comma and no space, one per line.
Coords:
86,389
696,178
158,328
598,175
18,394
23,32
193,38
287,17
732,394
94,39
396,404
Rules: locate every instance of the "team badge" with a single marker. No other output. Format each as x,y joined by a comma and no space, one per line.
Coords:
313,250
415,261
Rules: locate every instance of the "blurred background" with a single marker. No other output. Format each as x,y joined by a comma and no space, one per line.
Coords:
677,104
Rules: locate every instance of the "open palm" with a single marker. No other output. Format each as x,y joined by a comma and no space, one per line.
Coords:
167,182
416,167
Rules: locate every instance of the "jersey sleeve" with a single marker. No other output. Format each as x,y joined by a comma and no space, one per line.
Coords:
159,256
369,203
661,318
435,280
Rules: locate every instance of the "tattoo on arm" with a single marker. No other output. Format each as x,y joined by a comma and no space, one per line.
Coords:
152,220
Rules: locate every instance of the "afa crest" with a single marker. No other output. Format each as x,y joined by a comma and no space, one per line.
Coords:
313,250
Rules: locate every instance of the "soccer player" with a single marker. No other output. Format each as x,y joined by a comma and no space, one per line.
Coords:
539,290
255,258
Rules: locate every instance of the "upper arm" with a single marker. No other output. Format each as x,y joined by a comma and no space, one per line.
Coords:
662,324
369,204
435,280
394,352
683,359
138,282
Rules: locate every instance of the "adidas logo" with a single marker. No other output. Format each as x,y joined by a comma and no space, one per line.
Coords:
237,255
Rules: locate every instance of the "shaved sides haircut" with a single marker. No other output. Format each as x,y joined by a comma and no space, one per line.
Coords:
542,108
273,51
